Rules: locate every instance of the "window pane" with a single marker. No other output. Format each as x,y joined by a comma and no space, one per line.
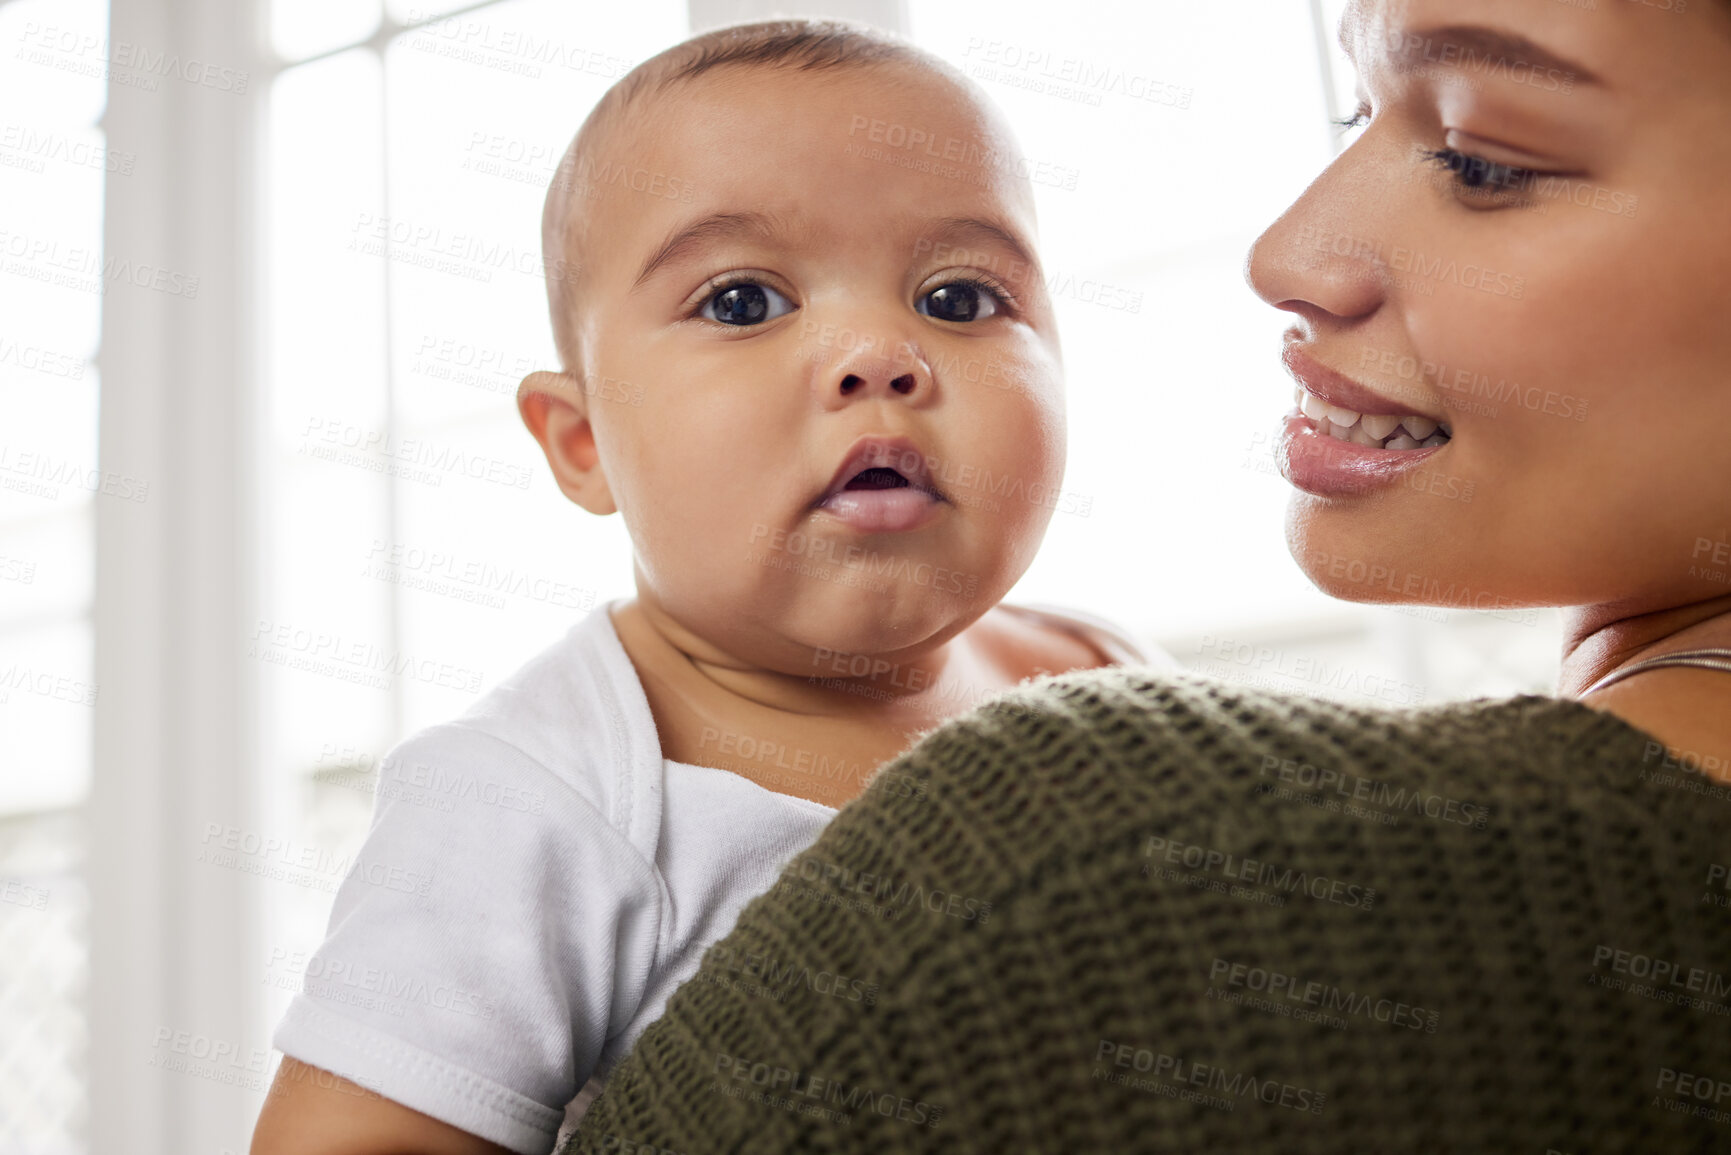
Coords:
302,28
46,699
326,299
44,975
46,568
56,54
326,484
48,451
416,11
53,272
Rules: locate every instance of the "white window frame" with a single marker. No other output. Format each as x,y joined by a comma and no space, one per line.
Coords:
173,945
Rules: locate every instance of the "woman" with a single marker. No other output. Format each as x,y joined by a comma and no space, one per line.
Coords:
1140,913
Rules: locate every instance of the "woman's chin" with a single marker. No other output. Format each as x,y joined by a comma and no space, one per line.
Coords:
1361,555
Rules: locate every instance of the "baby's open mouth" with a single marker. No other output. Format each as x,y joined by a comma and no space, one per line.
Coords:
1372,430
878,477
883,486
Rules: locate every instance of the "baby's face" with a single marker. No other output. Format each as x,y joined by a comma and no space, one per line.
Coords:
850,429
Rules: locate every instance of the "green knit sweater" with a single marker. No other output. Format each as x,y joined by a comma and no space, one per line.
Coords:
1123,912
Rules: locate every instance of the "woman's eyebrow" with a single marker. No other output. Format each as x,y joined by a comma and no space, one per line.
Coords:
715,226
1474,47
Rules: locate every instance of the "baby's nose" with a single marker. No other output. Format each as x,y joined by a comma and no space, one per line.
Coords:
853,383
876,368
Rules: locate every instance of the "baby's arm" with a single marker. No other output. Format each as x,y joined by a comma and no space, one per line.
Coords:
327,1115
493,930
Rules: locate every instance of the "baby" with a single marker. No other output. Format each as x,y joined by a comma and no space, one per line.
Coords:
809,358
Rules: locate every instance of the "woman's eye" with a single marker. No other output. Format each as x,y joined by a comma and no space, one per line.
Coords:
1359,118
746,303
1478,175
959,301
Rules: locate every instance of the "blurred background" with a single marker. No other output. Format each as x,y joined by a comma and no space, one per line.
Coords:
262,260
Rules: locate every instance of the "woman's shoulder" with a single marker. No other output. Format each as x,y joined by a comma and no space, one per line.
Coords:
1172,860
1122,755
1150,723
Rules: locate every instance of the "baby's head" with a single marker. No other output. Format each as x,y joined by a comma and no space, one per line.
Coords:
807,350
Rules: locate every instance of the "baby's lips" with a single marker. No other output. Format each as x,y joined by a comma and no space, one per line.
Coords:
882,510
881,452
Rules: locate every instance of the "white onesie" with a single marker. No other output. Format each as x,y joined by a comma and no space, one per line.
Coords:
535,883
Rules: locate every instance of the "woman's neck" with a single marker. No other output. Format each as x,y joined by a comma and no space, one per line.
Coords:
1687,709
1598,640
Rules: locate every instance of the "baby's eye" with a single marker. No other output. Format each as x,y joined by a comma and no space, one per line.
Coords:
746,303
959,301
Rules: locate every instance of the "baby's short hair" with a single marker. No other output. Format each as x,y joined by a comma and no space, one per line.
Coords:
805,45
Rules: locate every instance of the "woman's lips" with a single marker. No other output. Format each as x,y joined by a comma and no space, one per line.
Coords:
1346,439
1329,467
1340,391
882,510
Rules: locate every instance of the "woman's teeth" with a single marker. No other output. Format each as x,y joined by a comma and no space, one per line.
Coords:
1371,430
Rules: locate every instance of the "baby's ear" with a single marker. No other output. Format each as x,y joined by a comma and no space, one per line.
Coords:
556,411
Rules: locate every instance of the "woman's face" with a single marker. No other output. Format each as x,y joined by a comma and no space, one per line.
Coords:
1528,245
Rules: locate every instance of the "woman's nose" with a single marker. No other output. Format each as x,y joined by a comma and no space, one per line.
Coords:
1325,256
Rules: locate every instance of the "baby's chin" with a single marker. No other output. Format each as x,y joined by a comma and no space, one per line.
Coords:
781,627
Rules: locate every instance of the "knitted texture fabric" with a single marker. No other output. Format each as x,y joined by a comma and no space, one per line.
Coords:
1123,911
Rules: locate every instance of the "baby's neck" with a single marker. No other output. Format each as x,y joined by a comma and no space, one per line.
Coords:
820,736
